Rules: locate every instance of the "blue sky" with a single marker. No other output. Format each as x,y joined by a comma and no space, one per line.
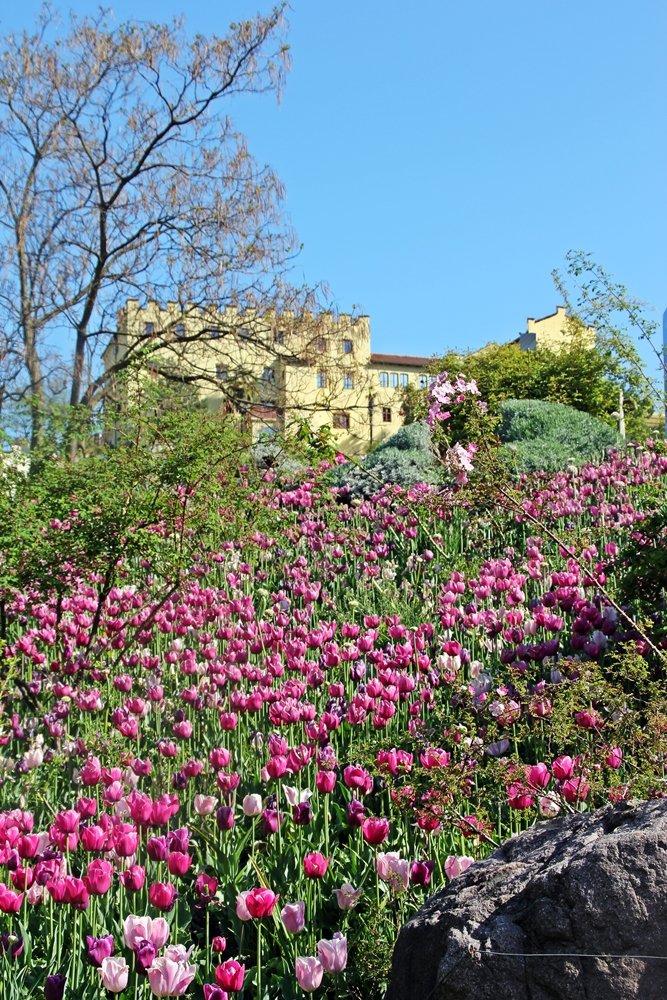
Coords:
441,158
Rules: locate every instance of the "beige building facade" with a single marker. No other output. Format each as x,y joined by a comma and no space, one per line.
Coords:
279,371
276,370
554,332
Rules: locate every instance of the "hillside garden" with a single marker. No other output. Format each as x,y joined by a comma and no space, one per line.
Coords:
249,722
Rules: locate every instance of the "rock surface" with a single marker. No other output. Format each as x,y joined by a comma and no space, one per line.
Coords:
556,898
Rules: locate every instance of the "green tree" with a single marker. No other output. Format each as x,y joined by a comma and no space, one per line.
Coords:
169,489
578,376
594,297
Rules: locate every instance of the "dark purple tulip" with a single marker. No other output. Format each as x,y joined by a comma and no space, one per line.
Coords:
225,817
54,987
157,848
10,943
421,871
144,954
302,814
355,813
271,820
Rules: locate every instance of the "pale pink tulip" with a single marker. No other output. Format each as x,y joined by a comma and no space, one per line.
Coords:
394,870
252,805
205,804
294,917
457,865
309,972
136,929
333,954
169,978
114,973
241,909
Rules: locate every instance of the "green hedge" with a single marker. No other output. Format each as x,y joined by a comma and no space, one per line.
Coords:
404,459
541,436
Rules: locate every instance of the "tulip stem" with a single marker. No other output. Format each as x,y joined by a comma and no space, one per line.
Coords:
208,941
259,960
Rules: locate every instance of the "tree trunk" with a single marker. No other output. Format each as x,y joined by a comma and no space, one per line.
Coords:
37,396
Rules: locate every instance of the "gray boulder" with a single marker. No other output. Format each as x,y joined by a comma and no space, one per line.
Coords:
574,909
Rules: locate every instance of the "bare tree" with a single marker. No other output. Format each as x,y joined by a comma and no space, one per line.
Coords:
122,175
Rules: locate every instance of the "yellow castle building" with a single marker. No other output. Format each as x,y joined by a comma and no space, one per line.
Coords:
555,331
279,370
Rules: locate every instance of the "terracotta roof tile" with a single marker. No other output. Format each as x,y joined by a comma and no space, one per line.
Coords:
407,360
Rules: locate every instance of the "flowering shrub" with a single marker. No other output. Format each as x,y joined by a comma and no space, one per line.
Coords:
239,784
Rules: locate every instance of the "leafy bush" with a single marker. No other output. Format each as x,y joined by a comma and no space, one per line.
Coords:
404,459
546,436
575,375
413,437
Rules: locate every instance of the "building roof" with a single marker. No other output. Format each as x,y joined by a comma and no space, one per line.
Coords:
405,360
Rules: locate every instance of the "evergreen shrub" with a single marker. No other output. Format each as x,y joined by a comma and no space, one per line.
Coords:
541,436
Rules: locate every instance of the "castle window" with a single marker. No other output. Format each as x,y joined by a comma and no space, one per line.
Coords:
268,375
321,345
179,329
405,379
341,421
394,380
149,328
348,347
321,380
279,337
386,414
244,333
423,381
348,381
383,378
221,373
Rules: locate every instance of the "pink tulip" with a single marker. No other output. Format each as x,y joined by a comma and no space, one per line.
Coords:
457,865
309,972
394,870
260,903
347,896
358,778
162,895
333,954
375,830
563,768
538,775
325,782
575,790
230,975
315,865
294,917
169,977
98,878
114,973
178,863
134,878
